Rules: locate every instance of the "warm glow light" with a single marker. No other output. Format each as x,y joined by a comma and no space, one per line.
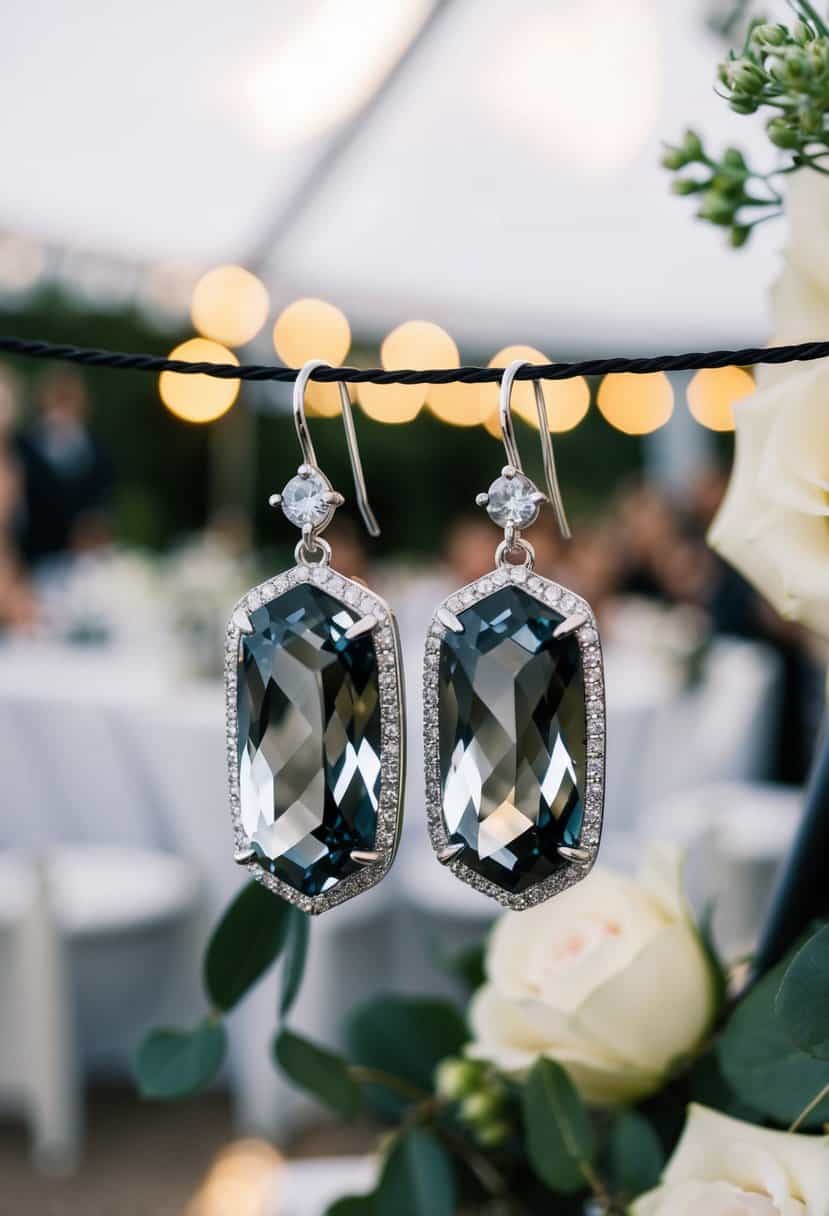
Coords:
635,404
712,393
418,345
198,398
314,329
492,425
327,64
244,1180
567,401
457,404
229,305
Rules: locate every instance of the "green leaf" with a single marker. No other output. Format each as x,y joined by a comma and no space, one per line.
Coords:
803,997
763,1066
559,1136
407,1037
467,966
320,1071
293,967
171,1064
636,1154
245,943
416,1179
352,1205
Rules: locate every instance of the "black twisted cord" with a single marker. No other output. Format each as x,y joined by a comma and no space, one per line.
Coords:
801,352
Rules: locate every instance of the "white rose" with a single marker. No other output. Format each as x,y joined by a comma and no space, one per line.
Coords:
773,524
722,1167
609,979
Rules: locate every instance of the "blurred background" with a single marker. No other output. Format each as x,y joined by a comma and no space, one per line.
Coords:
427,185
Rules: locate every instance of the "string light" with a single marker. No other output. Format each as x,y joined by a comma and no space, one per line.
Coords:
229,305
457,404
636,405
712,393
314,329
418,345
199,398
566,401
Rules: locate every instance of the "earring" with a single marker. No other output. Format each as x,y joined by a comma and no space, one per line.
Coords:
315,706
514,717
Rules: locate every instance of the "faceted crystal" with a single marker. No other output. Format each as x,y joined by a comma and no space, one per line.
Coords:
512,501
308,739
303,500
512,739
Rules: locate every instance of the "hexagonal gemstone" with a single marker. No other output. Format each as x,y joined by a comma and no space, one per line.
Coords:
512,739
308,739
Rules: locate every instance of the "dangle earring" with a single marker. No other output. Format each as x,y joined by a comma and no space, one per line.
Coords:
514,718
315,706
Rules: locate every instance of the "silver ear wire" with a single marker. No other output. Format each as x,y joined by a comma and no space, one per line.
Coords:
511,447
309,456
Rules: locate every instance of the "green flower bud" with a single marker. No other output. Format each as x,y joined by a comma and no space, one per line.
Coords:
741,103
797,63
493,1134
724,73
734,160
692,146
454,1078
716,208
673,158
746,77
782,134
481,1107
801,33
738,235
818,55
687,185
811,120
768,34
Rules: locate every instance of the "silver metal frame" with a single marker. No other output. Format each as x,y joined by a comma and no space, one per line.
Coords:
578,620
355,597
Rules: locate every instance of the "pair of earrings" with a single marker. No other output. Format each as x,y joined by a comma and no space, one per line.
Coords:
514,715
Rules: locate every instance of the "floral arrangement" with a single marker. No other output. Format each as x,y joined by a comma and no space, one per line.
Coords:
601,1058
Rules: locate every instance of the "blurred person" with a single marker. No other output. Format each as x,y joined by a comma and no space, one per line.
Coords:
647,529
17,607
593,562
350,555
67,475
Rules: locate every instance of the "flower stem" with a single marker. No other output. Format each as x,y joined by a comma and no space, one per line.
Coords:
374,1076
807,10
813,1105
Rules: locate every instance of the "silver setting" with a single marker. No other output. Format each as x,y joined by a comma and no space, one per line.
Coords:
581,858
392,748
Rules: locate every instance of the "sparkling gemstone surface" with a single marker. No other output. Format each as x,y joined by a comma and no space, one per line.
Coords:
303,500
512,739
308,739
511,501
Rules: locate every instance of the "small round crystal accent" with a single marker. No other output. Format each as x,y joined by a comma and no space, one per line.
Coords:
512,500
303,500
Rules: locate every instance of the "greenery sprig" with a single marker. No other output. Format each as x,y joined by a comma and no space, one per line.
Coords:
782,73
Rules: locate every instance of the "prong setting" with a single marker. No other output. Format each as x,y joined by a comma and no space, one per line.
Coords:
448,618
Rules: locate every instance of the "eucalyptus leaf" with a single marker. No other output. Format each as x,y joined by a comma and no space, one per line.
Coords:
802,1001
762,1064
406,1037
319,1071
172,1064
559,1135
247,941
296,953
636,1155
416,1179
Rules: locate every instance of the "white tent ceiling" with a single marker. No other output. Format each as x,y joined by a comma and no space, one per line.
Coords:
507,186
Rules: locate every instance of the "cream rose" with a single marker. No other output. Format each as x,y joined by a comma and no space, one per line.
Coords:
722,1167
609,979
774,522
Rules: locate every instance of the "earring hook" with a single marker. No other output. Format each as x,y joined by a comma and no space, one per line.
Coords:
306,444
511,447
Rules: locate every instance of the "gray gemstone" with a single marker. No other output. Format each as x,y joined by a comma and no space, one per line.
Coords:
309,739
512,501
512,739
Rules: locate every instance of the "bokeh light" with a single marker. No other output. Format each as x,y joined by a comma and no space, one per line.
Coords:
636,404
419,345
198,398
314,329
229,305
712,393
458,404
566,401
